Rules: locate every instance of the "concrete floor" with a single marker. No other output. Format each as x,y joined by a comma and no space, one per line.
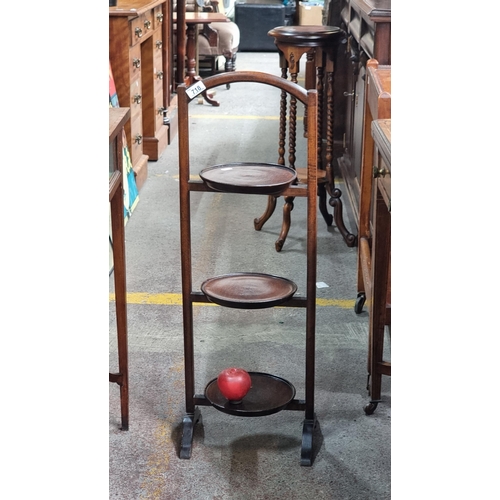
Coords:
240,458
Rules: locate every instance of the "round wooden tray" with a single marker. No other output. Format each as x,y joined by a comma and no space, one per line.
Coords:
248,290
269,394
249,178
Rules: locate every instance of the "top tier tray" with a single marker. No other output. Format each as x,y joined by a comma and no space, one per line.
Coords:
249,178
248,290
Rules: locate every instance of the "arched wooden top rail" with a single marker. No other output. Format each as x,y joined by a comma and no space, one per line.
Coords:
255,77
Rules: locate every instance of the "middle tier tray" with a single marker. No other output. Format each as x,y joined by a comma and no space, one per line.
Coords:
248,290
269,394
249,178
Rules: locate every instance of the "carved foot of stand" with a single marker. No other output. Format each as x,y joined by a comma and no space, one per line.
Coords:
306,453
371,407
335,202
360,302
209,99
188,423
260,221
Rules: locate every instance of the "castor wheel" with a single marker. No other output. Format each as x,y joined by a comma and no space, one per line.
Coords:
360,302
370,407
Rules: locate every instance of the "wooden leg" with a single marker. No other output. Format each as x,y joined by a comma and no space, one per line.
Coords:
118,232
287,208
191,76
322,205
335,202
380,272
271,205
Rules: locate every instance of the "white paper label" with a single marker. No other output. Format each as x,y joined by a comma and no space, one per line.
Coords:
195,89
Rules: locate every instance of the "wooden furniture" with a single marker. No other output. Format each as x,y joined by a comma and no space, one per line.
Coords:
377,106
367,24
269,394
319,43
219,39
118,117
378,261
214,39
192,20
139,34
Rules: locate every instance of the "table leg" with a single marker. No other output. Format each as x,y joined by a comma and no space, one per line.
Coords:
380,272
191,76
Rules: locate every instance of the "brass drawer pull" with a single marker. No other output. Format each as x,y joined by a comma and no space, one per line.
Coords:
159,75
159,44
138,98
136,63
380,172
161,110
147,24
159,17
138,32
138,139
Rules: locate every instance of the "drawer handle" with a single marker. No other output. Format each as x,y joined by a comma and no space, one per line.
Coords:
138,139
380,172
159,44
136,63
159,75
147,24
161,110
138,98
159,17
138,32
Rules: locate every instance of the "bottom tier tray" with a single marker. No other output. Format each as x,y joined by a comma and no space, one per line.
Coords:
269,394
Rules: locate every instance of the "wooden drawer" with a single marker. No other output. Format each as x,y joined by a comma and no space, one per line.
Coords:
379,90
136,138
159,110
157,17
136,97
141,27
384,183
158,61
135,62
381,131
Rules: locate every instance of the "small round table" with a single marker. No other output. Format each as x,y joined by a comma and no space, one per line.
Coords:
320,44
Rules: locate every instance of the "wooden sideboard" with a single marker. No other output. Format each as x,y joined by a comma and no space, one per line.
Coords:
140,55
367,24
377,106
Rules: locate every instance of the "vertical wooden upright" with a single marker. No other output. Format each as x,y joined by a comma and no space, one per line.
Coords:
117,119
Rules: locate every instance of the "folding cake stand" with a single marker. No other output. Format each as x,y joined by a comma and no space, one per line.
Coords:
269,394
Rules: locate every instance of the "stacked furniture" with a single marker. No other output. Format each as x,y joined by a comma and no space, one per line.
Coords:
255,290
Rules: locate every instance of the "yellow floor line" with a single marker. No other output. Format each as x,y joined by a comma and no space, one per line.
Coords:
240,117
175,299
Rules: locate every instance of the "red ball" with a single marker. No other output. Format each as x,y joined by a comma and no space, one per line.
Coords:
234,383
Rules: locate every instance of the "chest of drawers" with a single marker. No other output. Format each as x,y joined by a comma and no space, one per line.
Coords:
137,43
